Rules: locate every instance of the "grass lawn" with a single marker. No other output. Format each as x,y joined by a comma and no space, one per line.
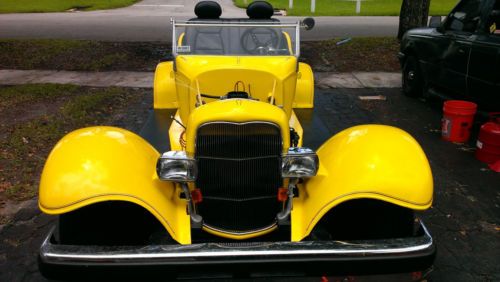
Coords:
348,7
34,117
39,6
80,55
360,54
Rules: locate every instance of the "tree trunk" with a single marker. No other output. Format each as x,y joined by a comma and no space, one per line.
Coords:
414,13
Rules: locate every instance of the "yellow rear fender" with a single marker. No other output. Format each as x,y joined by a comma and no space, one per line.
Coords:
165,95
304,91
98,164
367,161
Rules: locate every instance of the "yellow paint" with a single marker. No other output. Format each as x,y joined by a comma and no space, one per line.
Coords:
181,37
295,124
98,164
239,236
175,133
236,110
367,161
304,93
217,75
288,42
165,96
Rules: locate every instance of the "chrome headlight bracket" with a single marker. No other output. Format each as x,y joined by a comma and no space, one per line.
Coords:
296,163
177,166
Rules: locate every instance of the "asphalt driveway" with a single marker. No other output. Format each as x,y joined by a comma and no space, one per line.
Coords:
464,219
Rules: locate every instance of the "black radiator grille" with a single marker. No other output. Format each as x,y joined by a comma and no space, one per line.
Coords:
239,174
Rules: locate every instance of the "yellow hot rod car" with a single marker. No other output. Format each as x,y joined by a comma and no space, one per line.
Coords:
222,173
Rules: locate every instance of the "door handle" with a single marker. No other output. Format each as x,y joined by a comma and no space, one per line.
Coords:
461,51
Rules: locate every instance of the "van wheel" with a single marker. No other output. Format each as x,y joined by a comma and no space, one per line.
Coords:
412,78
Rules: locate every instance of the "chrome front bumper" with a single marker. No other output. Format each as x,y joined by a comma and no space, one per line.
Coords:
417,252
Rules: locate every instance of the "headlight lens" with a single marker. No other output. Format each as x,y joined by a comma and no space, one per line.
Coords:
176,166
299,162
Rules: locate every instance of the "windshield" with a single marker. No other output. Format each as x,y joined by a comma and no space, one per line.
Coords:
235,37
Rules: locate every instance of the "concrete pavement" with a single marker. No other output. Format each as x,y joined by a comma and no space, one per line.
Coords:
325,80
149,20
96,79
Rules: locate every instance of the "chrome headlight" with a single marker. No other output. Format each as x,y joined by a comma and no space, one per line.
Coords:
299,162
176,166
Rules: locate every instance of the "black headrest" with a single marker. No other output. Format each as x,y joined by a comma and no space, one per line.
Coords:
207,10
260,10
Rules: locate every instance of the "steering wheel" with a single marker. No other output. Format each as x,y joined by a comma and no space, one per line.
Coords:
251,43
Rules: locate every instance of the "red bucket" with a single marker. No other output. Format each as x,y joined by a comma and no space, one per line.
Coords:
457,120
488,141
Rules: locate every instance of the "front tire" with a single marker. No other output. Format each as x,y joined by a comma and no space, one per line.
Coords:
413,81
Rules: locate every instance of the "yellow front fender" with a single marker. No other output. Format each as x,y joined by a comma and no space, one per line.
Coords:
368,161
97,164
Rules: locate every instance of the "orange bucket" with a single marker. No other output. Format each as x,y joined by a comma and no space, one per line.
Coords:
457,120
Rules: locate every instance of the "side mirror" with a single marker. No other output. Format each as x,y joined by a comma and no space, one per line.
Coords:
308,23
435,22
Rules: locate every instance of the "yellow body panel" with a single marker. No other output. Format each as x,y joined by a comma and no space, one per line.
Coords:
175,133
295,124
263,78
292,88
368,161
97,164
239,236
236,110
304,91
288,41
165,96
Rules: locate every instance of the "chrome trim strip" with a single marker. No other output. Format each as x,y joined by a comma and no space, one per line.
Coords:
242,233
214,252
240,123
222,24
174,39
175,24
237,159
297,41
228,20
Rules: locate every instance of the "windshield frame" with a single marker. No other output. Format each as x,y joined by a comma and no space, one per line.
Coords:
271,24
